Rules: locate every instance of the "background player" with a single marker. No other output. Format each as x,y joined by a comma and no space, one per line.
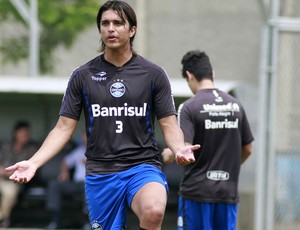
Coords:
217,121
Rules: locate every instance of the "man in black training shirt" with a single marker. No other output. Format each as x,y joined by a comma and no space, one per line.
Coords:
120,93
217,121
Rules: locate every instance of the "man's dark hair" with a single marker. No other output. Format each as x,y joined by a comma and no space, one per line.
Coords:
124,10
197,63
20,125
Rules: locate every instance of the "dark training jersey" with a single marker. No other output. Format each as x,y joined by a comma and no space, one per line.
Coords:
216,121
120,105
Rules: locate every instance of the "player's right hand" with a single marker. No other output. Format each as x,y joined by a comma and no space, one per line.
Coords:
22,172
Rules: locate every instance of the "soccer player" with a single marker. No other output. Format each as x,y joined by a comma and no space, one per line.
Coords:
120,93
208,193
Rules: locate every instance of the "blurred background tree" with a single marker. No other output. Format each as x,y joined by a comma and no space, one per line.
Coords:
60,22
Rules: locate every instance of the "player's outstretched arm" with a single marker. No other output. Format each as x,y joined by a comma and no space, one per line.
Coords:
22,172
184,154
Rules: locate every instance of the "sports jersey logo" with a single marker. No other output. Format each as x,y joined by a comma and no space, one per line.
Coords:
99,76
223,110
180,221
117,89
217,175
226,124
102,73
125,110
96,225
232,107
218,98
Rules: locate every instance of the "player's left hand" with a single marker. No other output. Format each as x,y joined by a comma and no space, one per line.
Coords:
185,155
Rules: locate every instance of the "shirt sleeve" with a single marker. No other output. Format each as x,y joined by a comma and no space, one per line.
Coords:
72,101
247,136
163,98
186,123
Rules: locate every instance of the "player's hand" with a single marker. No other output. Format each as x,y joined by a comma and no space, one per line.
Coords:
168,156
22,172
185,155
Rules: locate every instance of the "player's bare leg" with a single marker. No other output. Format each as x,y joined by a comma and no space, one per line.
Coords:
149,204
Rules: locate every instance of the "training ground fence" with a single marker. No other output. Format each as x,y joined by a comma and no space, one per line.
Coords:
278,169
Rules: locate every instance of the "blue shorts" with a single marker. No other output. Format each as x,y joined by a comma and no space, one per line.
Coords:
108,196
193,215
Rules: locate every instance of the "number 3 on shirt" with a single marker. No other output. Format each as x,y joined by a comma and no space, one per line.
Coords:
119,128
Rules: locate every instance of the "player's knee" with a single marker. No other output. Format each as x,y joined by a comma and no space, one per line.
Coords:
154,214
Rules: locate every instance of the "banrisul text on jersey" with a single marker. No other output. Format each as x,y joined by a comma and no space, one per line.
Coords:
125,110
226,124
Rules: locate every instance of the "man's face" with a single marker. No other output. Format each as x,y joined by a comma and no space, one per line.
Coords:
115,32
22,135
